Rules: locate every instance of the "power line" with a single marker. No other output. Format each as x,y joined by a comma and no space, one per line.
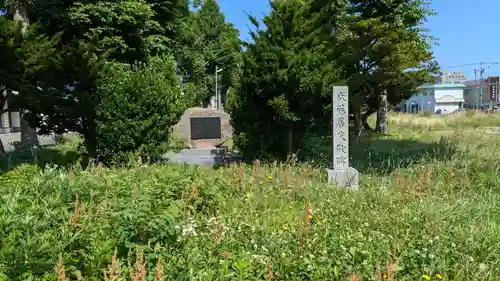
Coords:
471,64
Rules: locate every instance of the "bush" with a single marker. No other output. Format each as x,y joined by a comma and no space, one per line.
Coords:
139,107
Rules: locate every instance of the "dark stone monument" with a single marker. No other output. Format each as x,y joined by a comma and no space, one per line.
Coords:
204,131
206,128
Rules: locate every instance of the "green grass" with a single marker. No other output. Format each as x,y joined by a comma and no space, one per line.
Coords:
429,203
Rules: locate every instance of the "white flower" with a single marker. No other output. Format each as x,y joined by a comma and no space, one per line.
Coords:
189,228
482,267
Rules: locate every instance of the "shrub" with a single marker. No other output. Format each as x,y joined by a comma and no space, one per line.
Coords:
139,107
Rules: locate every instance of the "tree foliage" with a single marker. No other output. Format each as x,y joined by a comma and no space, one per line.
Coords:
374,47
385,49
281,83
68,96
138,107
286,80
23,63
208,41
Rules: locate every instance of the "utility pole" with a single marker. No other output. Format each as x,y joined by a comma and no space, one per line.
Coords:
217,95
481,72
475,88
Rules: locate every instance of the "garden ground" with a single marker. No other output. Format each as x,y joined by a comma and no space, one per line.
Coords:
428,207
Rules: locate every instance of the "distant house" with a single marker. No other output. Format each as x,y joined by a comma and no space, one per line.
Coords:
10,121
437,98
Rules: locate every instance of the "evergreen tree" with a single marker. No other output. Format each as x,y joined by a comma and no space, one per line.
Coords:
24,61
384,52
285,88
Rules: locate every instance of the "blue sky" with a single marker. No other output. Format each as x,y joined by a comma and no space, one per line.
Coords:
468,32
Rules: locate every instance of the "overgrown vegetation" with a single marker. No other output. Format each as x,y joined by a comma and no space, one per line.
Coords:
431,217
120,74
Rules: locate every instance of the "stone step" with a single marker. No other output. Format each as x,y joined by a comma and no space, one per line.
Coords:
204,152
200,159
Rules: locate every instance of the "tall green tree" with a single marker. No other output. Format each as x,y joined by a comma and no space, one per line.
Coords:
209,42
68,97
285,88
18,10
26,55
385,52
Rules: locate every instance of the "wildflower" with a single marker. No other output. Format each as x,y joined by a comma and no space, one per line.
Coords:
269,177
159,271
265,195
439,276
285,227
189,228
426,277
61,271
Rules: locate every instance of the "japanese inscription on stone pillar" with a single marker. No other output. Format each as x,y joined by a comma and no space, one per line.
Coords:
340,128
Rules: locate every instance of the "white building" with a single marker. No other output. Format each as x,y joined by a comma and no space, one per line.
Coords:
452,78
437,98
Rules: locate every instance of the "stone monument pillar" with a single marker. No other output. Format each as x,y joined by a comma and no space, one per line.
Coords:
341,174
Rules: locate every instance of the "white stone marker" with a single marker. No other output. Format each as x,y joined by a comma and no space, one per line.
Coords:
341,174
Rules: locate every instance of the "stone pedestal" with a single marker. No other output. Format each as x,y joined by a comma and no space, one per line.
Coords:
346,178
210,157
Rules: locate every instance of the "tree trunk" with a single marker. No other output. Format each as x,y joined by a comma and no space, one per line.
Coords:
29,137
89,132
364,119
382,114
290,141
358,122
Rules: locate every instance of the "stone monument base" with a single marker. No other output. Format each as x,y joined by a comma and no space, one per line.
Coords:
344,178
211,157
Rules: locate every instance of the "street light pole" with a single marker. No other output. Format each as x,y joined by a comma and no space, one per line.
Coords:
217,95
